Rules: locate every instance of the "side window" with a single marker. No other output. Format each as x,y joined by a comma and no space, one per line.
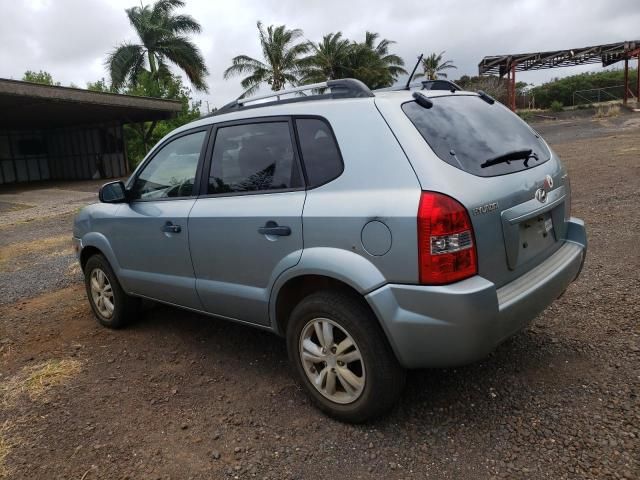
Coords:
320,153
253,157
172,171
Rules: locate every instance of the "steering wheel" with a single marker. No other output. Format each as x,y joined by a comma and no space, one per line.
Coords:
182,189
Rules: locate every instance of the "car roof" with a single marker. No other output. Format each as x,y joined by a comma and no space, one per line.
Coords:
302,106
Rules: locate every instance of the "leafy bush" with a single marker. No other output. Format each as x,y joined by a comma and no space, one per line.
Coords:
40,76
525,115
556,106
561,90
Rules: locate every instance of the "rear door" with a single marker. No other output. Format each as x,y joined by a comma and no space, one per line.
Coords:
246,228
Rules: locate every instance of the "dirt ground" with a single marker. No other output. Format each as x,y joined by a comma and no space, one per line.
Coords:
182,396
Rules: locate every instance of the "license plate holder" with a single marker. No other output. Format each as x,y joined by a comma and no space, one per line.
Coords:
536,234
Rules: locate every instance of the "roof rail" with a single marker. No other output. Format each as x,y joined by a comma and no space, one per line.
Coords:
342,88
438,84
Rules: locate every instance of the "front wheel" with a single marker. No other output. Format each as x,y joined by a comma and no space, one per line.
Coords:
112,307
342,357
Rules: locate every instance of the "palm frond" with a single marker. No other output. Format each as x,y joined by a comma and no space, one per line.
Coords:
281,64
164,7
179,24
184,53
125,62
252,83
243,64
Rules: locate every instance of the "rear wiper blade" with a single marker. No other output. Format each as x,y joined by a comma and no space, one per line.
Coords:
515,155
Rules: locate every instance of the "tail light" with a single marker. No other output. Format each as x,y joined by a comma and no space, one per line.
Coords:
446,248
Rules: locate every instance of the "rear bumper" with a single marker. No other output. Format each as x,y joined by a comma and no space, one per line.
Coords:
456,324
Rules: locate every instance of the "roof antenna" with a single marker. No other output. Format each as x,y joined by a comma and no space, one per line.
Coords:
407,86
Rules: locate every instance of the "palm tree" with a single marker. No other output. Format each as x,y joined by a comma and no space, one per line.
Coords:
329,59
282,62
368,61
433,67
163,40
373,64
393,63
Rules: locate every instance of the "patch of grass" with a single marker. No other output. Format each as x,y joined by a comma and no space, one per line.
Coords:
606,111
36,380
13,251
526,115
5,447
12,207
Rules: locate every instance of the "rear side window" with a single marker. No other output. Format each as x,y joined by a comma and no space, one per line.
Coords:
253,158
320,154
480,138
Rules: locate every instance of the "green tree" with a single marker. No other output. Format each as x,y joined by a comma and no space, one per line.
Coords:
372,62
100,86
369,61
140,137
149,133
434,66
282,60
329,59
490,84
163,41
41,77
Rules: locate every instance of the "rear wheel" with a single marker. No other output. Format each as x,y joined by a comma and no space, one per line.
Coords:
111,306
342,357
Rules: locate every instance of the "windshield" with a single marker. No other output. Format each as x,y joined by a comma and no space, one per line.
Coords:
467,132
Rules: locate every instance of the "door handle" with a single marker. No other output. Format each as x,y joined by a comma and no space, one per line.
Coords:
272,228
171,228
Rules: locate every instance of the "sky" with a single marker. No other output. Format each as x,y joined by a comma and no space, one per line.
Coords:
71,38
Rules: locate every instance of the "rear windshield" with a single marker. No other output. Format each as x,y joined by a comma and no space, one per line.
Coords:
480,138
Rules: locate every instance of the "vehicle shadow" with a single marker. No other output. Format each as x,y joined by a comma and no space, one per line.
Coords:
498,386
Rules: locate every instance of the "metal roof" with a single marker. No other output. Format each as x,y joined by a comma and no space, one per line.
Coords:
31,105
607,54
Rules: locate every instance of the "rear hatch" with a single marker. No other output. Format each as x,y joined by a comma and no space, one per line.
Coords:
480,153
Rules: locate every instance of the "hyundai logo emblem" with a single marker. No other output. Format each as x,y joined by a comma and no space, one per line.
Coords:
541,193
548,183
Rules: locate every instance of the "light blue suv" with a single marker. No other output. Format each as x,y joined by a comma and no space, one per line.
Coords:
376,231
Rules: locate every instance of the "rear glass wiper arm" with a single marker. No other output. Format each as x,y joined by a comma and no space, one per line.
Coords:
515,155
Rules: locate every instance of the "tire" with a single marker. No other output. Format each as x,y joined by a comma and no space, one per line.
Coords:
124,306
376,379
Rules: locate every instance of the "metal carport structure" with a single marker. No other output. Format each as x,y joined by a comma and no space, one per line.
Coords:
608,54
55,133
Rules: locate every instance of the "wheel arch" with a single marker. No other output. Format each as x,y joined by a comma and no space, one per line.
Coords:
86,253
96,243
321,269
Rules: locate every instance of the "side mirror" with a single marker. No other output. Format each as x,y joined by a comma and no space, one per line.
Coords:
113,192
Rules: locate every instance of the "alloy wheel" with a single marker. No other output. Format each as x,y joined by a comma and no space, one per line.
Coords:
102,293
332,361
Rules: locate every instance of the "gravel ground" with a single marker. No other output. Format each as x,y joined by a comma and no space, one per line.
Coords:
31,264
180,396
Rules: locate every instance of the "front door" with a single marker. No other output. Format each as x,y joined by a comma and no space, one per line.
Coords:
151,236
247,229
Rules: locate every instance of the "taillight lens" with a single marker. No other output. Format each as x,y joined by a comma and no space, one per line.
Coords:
446,247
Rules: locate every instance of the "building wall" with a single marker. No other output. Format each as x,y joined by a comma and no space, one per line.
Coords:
74,153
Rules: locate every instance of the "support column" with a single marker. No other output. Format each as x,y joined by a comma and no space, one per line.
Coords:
638,80
512,88
625,97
